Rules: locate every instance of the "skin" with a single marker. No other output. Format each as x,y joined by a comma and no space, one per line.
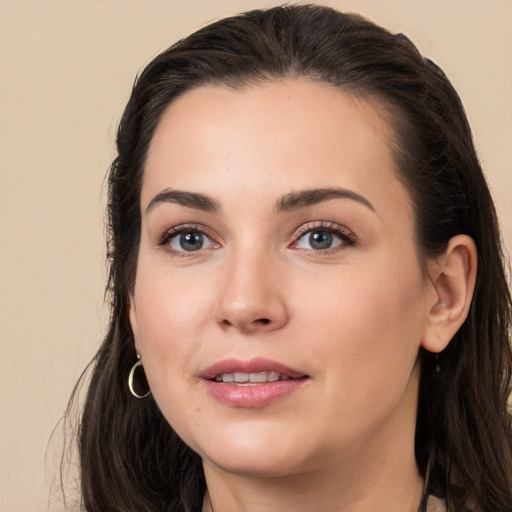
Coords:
352,317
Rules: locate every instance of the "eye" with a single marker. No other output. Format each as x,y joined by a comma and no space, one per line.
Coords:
187,240
319,240
323,237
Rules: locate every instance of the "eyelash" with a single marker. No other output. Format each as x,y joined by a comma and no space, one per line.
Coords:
348,238
165,239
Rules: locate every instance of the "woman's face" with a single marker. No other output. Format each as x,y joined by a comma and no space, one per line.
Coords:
277,251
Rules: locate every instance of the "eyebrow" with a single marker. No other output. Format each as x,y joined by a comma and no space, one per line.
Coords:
289,202
188,199
305,198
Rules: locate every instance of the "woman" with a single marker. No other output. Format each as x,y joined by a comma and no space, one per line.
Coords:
306,267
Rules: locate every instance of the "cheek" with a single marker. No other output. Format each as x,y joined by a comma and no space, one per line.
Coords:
170,318
368,341
171,314
370,323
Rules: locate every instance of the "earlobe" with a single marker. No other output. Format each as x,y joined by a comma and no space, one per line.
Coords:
453,277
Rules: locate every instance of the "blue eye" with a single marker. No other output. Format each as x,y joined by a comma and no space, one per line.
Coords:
323,238
189,241
320,240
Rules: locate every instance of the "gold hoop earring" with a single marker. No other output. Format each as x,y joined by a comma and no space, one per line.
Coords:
130,379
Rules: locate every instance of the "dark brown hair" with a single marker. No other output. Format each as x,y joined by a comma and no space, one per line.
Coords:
131,459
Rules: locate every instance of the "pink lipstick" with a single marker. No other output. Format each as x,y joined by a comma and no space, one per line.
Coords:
250,384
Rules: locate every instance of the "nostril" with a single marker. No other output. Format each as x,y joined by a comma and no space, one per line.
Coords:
263,321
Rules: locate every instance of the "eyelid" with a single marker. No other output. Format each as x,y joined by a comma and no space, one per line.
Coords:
164,239
347,235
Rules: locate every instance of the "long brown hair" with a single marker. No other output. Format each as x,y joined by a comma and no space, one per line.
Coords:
131,459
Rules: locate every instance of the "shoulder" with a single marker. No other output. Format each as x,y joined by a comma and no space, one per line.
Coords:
435,504
437,492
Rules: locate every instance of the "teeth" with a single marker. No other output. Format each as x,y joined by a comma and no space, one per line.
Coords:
243,378
258,377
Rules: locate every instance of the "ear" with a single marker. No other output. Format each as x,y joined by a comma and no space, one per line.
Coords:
453,278
132,312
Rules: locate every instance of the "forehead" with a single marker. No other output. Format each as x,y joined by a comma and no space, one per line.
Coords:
291,134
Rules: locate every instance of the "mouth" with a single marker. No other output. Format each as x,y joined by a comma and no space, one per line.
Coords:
251,384
254,371
251,379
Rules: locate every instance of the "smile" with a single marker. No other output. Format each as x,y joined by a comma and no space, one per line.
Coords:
251,384
248,379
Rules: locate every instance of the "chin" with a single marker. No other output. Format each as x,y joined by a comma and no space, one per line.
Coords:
256,464
251,452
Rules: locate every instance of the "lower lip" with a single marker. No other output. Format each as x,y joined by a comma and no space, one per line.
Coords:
257,395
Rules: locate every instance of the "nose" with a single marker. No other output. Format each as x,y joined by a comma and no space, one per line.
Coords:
251,296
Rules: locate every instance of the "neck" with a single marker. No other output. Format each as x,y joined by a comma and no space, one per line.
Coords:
386,482
304,493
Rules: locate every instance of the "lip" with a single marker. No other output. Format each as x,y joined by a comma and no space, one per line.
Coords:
256,365
251,396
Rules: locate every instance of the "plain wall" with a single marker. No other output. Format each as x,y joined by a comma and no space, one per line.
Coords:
66,70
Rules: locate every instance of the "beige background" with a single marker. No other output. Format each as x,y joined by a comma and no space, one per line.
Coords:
66,69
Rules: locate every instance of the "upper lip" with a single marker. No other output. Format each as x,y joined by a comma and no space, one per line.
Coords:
255,365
